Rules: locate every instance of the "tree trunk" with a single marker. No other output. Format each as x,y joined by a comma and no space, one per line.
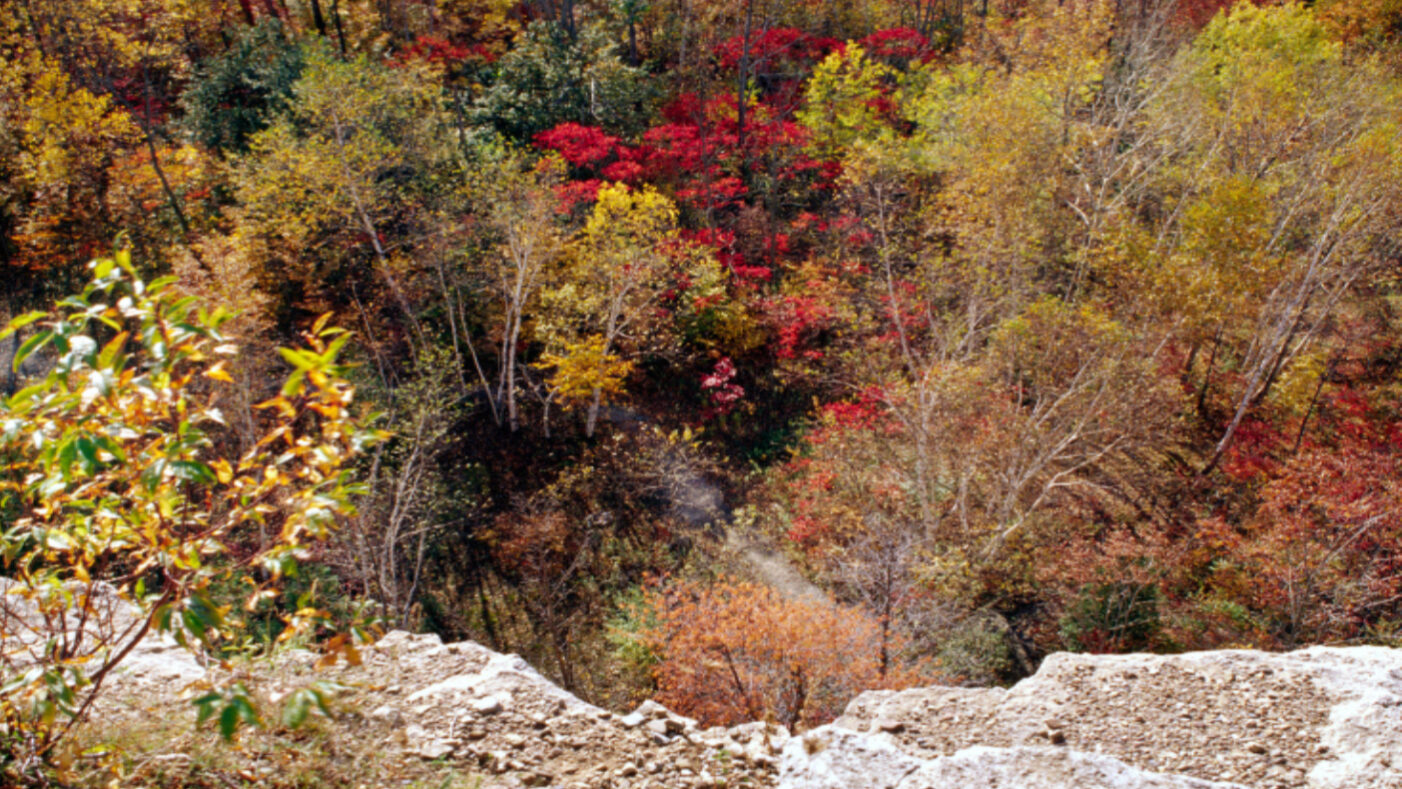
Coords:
12,374
1207,377
508,362
1314,401
340,31
742,90
593,413
318,19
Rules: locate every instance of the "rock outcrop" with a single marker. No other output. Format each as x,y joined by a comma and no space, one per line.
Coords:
1319,717
1315,718
495,714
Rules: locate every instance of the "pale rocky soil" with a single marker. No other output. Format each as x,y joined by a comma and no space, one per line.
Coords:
414,700
1254,725
1322,717
487,714
494,712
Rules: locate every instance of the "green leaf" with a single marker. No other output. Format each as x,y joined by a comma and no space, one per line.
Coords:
318,693
206,705
245,707
299,359
112,350
193,623
162,617
22,321
30,346
26,394
192,471
67,455
228,722
159,284
108,444
206,610
181,306
334,348
88,450
294,383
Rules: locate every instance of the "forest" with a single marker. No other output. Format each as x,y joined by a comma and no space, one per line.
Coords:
741,354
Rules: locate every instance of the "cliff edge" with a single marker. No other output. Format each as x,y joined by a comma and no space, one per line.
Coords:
1318,717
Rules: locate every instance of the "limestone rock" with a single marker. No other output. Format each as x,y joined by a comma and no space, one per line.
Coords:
1043,768
502,677
652,710
156,660
487,705
387,714
1315,718
831,757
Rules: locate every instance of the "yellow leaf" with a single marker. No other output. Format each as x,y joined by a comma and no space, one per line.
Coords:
222,470
218,373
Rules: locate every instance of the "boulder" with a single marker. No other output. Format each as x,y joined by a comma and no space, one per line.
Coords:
502,678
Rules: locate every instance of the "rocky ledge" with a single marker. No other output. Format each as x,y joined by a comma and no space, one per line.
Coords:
1315,718
495,714
1318,717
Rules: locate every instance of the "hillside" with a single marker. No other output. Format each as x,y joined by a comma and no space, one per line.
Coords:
747,357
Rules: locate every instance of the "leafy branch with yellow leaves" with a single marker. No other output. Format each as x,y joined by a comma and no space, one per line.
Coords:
115,497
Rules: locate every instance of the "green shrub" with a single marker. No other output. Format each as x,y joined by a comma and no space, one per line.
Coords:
976,651
1113,617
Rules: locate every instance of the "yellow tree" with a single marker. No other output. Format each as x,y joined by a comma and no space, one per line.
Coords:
840,103
966,199
1281,189
1005,396
997,128
69,139
136,54
619,268
583,371
346,166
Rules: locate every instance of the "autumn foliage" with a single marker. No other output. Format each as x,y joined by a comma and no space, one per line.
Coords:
731,652
1015,326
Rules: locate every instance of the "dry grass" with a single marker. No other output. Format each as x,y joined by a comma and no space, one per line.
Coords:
160,746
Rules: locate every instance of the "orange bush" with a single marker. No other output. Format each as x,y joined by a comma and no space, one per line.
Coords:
734,652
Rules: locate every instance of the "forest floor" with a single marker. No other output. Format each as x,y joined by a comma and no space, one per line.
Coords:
700,502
